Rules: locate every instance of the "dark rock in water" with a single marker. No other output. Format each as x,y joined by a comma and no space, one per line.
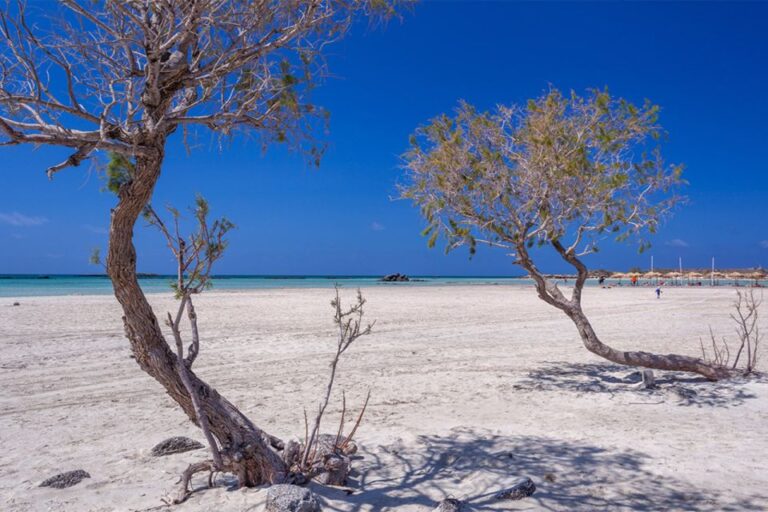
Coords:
521,489
176,444
291,498
397,277
64,480
449,505
16,304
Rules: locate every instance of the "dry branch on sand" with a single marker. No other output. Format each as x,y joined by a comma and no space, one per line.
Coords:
747,308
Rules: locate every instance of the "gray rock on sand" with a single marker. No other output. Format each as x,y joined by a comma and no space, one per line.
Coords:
450,505
64,480
291,498
522,488
177,444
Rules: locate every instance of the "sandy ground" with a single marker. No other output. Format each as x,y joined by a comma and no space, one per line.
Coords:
472,387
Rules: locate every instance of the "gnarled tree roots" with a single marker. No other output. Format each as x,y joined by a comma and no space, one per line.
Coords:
330,464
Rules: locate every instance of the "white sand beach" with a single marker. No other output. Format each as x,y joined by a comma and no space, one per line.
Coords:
472,387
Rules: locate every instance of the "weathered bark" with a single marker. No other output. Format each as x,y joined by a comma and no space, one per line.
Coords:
672,362
550,293
246,450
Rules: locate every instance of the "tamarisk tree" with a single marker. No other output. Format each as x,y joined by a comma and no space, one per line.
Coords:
123,76
325,458
562,172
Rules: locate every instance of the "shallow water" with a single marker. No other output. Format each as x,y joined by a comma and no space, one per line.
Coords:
15,285
34,285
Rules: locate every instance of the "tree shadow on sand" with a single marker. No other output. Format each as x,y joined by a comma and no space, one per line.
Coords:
473,465
678,387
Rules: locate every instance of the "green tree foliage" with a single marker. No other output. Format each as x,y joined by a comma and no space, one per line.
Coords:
118,172
196,253
562,170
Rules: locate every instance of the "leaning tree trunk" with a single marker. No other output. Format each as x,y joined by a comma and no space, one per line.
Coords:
673,362
246,450
550,293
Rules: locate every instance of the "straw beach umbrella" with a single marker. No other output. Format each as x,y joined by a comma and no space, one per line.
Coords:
619,276
694,275
652,275
758,275
736,276
673,275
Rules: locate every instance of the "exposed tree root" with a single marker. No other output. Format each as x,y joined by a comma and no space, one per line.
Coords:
184,489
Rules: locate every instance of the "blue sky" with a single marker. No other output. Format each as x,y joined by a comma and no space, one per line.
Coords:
704,63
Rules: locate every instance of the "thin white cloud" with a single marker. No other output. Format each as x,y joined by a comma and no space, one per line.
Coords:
95,229
20,220
764,244
376,226
676,242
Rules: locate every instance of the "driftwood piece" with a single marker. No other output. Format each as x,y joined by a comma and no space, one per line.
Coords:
522,488
64,480
332,464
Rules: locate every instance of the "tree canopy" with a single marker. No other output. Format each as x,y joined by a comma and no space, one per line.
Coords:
113,75
569,170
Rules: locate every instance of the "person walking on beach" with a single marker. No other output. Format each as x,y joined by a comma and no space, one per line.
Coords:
658,292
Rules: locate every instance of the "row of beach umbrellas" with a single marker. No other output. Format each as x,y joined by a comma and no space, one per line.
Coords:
735,276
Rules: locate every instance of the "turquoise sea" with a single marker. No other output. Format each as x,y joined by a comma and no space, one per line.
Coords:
14,285
33,285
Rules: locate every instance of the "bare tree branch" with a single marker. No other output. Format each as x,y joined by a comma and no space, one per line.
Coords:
127,72
350,327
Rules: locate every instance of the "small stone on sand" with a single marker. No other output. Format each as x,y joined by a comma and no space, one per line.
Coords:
177,444
64,480
291,498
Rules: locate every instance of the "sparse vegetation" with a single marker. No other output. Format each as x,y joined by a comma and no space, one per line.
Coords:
744,355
